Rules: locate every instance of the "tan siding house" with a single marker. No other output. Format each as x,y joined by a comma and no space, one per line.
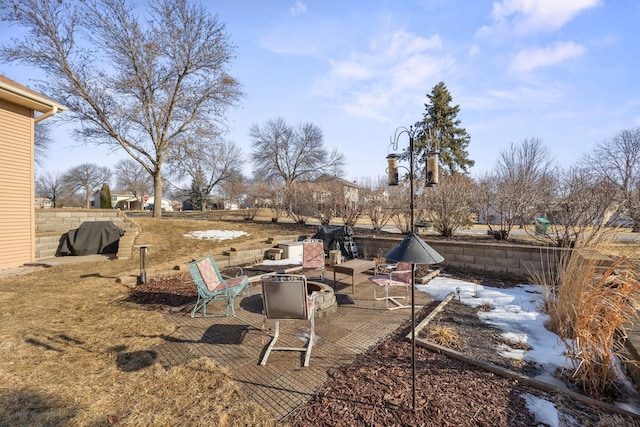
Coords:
18,108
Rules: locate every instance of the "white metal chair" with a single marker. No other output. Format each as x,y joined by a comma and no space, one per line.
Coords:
399,277
285,297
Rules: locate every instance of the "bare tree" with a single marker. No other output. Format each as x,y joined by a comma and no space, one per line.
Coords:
142,83
291,154
520,182
51,186
42,140
448,205
132,177
577,207
86,179
217,161
618,160
377,203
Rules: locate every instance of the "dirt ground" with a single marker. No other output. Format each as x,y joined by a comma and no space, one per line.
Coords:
376,389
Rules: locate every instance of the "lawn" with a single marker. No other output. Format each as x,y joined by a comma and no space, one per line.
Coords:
69,337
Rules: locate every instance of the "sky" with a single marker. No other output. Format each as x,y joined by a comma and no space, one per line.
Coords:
564,72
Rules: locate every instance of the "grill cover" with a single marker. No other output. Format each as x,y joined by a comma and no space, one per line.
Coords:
337,237
97,237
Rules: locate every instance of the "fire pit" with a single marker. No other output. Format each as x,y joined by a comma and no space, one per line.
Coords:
326,299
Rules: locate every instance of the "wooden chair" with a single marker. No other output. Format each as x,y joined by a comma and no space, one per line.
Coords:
285,297
212,285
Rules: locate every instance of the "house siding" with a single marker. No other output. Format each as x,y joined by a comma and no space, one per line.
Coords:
17,224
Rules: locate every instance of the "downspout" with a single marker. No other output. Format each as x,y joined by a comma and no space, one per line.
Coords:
49,113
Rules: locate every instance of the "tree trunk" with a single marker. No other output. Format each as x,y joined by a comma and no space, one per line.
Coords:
157,193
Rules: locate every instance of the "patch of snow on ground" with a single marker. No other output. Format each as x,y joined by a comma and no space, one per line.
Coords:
515,311
544,411
286,261
215,234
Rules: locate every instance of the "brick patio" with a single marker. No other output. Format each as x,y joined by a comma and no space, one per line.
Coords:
283,384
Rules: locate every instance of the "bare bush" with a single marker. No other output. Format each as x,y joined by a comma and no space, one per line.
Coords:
576,209
377,203
448,205
521,180
301,205
589,305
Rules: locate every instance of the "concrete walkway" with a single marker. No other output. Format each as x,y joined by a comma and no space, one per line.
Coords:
283,384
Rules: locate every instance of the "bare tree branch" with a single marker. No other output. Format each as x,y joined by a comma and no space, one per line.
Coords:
86,179
137,84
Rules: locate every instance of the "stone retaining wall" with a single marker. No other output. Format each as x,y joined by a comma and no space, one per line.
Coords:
52,224
513,261
63,220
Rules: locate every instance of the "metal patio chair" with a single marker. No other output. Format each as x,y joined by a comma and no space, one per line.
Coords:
400,277
285,297
212,285
313,255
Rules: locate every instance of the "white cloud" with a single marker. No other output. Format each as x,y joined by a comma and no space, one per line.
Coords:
369,106
395,65
523,17
350,69
298,8
527,95
530,59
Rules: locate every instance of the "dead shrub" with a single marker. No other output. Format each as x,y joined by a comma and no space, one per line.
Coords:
444,335
590,302
485,306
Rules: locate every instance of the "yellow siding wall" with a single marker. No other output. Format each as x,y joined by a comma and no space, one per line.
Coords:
17,225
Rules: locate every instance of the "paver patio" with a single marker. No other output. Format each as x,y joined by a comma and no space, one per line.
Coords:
238,343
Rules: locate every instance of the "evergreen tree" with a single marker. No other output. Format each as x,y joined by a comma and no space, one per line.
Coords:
105,197
444,126
198,195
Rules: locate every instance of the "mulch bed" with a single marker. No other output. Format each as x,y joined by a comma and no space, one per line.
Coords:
376,389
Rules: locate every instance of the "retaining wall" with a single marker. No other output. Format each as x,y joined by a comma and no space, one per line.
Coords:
513,261
52,224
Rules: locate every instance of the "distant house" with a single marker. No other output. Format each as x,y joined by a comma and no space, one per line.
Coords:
123,200
43,203
166,206
20,109
349,191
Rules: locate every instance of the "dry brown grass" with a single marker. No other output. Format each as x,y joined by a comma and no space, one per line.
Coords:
444,335
590,304
74,351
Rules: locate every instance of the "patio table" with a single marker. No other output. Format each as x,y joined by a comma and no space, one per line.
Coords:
351,268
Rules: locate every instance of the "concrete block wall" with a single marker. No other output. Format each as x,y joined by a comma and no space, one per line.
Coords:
63,220
52,224
243,256
513,261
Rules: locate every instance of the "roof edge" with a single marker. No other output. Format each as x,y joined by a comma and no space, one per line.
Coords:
23,96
